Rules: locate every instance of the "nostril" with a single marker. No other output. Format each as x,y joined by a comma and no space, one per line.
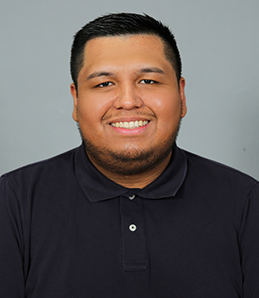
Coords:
128,102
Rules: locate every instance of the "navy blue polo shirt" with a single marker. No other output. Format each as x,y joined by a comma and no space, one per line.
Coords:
67,231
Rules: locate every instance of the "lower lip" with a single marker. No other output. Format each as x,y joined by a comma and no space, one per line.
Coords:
132,131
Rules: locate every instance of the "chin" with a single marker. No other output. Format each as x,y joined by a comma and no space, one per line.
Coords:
130,161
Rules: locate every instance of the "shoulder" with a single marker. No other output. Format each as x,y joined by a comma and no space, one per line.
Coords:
210,172
48,169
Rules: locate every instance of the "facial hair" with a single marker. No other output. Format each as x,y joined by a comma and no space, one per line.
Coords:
133,161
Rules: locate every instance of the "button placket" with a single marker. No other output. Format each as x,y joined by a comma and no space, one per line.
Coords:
134,248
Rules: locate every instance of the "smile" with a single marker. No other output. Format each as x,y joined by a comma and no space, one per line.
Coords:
130,125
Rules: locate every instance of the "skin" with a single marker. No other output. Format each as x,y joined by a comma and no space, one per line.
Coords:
124,79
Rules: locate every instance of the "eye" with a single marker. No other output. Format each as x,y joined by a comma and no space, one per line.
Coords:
148,82
104,84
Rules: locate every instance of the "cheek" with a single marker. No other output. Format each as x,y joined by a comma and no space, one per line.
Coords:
167,109
91,111
168,120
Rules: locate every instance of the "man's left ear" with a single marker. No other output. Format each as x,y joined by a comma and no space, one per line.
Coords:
75,98
182,96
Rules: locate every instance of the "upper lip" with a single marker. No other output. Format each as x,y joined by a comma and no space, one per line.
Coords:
129,119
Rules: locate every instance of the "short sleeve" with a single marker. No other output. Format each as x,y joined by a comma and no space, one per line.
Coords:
249,244
11,244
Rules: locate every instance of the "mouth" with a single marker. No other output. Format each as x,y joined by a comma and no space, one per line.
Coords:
130,125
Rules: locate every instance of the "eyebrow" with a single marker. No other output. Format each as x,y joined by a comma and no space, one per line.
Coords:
99,74
107,74
151,69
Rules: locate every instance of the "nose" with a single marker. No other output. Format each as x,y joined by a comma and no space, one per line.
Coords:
128,97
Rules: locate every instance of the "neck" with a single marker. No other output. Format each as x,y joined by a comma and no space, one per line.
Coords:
135,181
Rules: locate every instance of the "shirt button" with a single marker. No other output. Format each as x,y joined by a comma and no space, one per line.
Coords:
132,197
132,228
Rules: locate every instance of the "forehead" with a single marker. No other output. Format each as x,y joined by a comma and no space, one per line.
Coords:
126,46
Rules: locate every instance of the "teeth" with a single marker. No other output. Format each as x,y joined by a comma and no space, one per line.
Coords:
130,125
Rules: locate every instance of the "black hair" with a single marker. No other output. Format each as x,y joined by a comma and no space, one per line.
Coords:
116,24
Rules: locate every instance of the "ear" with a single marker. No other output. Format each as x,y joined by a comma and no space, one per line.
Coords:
182,96
75,98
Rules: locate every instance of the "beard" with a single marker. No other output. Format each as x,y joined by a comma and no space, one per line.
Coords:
130,161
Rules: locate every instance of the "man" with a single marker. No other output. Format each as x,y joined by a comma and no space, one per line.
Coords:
128,213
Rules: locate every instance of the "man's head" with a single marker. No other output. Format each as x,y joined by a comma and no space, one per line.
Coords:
128,103
123,24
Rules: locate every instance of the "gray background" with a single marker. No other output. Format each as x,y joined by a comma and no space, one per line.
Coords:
218,41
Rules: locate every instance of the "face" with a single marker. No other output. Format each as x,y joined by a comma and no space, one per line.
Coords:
128,104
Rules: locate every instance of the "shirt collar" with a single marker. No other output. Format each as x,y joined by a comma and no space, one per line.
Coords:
98,187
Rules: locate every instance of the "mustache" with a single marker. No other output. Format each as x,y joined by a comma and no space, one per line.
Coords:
128,114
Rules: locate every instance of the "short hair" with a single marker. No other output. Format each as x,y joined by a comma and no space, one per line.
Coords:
117,24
